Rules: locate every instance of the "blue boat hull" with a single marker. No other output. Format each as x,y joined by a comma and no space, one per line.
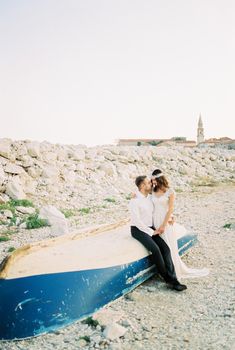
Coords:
33,305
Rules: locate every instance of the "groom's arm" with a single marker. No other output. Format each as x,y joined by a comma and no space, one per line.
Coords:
136,219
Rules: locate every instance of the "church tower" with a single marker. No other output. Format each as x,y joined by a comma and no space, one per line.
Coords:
200,131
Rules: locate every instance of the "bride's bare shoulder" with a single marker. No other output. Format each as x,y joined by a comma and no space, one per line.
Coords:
171,191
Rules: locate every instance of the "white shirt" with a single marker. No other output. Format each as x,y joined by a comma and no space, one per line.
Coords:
141,211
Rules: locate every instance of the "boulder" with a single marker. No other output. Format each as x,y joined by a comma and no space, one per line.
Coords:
78,154
3,176
5,149
34,172
12,168
68,176
23,225
4,198
91,153
50,171
7,213
56,219
14,189
33,149
108,168
114,331
61,154
21,151
105,315
49,157
27,161
25,210
28,184
81,343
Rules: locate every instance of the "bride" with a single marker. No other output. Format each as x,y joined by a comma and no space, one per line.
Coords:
163,198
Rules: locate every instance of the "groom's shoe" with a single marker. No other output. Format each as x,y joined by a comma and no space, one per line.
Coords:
177,286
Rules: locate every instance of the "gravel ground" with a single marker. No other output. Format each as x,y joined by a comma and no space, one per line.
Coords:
202,317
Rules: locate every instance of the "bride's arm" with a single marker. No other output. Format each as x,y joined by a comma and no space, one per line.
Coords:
133,195
168,214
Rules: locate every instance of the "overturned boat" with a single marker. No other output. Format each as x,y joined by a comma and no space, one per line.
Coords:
52,283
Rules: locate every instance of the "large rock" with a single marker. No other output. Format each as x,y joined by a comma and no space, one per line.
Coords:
25,210
68,175
3,176
50,171
14,189
91,153
114,331
55,219
78,154
34,149
5,149
49,156
12,168
80,167
183,170
61,154
81,343
4,198
27,161
7,213
108,168
105,315
28,184
34,172
21,151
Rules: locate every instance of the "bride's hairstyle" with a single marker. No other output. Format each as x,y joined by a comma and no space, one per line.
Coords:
162,182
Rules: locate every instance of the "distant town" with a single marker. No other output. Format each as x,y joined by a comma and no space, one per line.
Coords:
224,142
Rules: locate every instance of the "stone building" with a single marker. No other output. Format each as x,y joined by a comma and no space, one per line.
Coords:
200,131
157,142
224,142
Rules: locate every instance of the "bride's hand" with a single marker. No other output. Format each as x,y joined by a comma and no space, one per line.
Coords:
133,195
171,220
161,229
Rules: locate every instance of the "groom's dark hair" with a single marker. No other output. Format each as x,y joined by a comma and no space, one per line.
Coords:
139,180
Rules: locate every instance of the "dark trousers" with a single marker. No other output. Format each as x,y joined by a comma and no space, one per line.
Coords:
161,254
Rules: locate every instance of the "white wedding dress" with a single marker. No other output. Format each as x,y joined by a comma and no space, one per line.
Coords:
170,236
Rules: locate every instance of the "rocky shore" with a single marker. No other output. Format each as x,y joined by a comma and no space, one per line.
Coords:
72,176
92,185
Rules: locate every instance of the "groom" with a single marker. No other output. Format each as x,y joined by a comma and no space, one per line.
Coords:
141,211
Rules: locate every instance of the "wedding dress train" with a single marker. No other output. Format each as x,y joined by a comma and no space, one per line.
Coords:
170,236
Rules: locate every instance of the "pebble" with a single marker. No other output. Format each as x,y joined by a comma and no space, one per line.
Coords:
81,343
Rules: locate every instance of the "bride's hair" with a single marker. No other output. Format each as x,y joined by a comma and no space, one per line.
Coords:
162,182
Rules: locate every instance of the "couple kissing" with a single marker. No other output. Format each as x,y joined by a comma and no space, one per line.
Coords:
151,209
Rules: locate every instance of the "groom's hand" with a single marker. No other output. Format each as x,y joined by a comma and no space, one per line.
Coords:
156,232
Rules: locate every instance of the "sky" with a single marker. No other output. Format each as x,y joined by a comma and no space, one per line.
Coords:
93,71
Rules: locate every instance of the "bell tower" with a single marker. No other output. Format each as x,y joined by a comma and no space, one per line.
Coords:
200,131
